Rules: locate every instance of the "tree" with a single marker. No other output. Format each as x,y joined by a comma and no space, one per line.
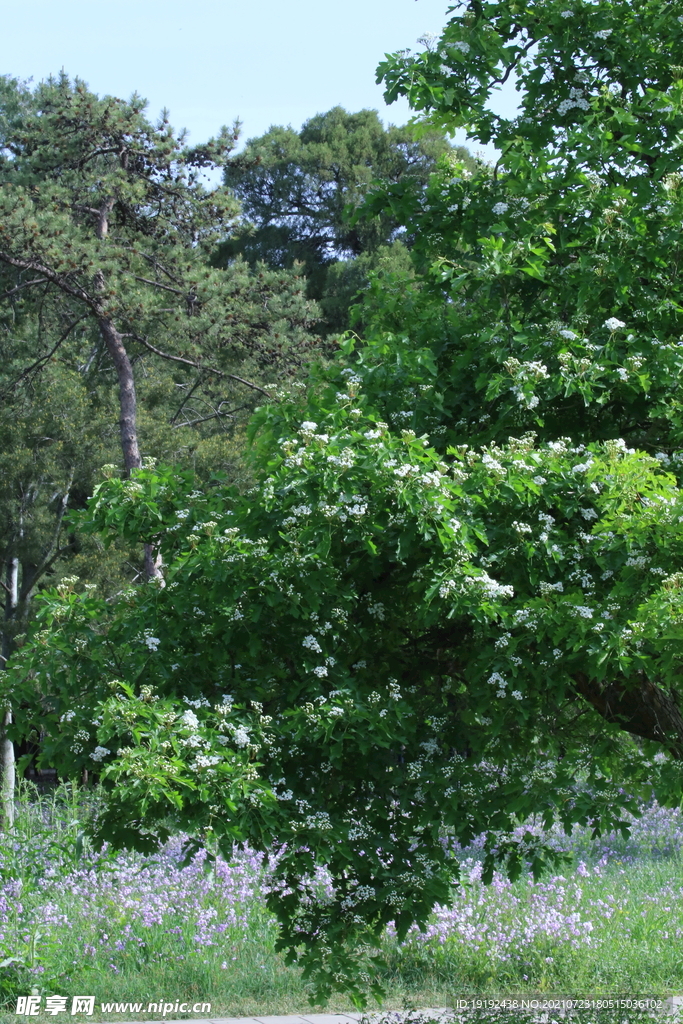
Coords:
455,596
298,192
105,236
105,221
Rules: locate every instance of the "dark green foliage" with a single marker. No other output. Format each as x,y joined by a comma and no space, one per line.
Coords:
299,191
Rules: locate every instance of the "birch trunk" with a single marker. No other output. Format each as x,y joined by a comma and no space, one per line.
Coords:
7,782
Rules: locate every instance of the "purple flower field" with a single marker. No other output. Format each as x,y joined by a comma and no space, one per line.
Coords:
133,925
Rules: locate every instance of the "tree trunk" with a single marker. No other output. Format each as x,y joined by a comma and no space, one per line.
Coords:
7,781
127,396
128,421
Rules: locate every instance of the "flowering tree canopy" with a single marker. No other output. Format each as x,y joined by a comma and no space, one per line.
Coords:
455,596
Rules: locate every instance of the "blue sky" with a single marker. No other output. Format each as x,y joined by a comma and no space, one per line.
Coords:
266,62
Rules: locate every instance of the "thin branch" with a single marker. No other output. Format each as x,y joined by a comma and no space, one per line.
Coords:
202,419
157,284
54,550
198,366
44,359
186,398
57,279
155,263
20,287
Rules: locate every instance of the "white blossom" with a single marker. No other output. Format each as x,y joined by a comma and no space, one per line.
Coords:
240,736
312,644
189,719
99,753
613,324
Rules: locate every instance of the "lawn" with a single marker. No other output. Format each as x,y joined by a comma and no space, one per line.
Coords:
129,928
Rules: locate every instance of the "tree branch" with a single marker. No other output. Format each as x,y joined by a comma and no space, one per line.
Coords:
44,359
638,707
157,284
57,279
186,399
20,287
53,551
199,366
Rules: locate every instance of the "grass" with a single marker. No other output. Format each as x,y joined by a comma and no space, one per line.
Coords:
131,929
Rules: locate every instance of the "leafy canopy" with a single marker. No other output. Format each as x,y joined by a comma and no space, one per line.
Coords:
298,192
455,596
106,233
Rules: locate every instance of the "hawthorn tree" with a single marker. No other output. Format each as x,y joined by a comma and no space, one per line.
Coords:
455,597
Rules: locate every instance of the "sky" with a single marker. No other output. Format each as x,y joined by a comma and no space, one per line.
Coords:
266,62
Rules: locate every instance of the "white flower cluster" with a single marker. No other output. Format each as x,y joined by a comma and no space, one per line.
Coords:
200,702
99,753
496,679
345,460
500,208
152,641
549,588
394,690
461,45
576,99
491,588
637,561
492,464
206,760
613,324
311,643
240,736
320,820
431,479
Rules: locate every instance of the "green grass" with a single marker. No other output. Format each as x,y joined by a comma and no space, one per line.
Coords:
65,920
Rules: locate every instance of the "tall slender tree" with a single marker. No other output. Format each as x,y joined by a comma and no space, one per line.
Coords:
106,230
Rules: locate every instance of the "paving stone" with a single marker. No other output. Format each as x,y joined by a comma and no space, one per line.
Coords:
331,1018
294,1019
